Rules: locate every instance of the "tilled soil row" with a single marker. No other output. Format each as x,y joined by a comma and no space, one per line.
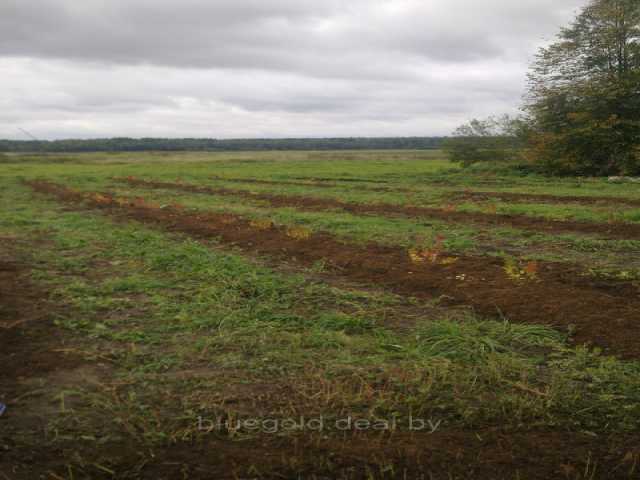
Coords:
481,454
601,312
542,198
318,183
614,230
462,194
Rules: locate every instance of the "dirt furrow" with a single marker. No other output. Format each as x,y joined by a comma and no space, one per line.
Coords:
479,454
615,230
461,195
317,183
542,198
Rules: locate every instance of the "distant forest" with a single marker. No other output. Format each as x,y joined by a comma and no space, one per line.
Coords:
214,145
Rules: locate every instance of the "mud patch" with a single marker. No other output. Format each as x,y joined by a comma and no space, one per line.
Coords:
600,312
614,230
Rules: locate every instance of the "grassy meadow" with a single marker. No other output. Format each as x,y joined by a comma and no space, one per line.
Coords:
135,348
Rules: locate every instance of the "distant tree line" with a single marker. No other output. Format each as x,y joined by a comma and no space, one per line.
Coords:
214,145
582,108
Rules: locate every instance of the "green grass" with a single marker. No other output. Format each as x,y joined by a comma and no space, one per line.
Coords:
183,305
192,329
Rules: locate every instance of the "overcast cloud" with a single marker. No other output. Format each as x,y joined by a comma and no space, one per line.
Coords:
264,68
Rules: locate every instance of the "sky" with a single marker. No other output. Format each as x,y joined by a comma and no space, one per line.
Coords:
265,68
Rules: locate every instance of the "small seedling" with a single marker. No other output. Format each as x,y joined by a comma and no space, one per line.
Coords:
101,199
491,209
299,233
450,208
518,271
432,254
265,224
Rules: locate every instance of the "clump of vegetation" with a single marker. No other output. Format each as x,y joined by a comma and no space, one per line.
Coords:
450,207
261,224
299,233
474,340
101,199
519,271
433,252
495,140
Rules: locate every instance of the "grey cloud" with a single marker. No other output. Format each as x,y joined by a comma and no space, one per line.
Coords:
264,67
294,35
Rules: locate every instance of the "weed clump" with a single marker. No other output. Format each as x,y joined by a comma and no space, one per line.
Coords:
519,271
299,233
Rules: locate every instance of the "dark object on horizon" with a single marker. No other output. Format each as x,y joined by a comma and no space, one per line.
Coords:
214,145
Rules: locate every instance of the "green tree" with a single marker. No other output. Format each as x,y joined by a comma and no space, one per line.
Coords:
584,94
488,140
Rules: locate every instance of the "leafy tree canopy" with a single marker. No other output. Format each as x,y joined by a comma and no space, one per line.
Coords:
583,103
584,93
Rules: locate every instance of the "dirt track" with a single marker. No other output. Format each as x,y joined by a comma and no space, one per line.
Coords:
605,313
627,231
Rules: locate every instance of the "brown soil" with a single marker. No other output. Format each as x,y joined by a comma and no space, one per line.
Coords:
317,183
340,180
541,198
27,332
615,230
463,194
33,364
602,312
452,455
258,181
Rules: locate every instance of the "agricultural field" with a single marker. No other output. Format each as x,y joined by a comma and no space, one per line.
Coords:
315,315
